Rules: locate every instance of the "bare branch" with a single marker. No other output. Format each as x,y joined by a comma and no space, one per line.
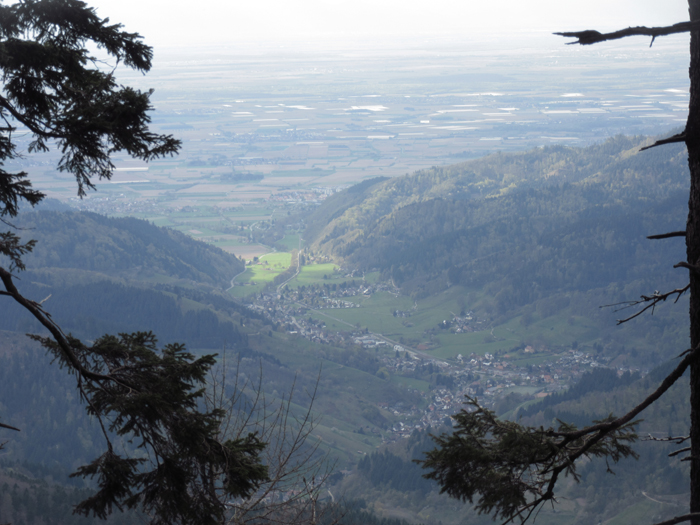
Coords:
676,439
690,267
680,519
667,235
650,301
679,137
2,425
297,468
679,451
590,36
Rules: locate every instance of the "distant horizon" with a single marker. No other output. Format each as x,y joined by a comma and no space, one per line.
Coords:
214,22
531,43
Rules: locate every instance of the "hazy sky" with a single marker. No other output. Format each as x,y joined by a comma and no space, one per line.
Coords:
185,22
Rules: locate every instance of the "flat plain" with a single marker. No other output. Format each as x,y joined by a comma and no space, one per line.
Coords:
269,129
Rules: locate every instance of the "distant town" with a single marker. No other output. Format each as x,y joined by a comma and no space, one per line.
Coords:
488,377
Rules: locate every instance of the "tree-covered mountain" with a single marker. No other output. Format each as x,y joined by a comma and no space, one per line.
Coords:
170,285
521,226
109,275
545,227
125,247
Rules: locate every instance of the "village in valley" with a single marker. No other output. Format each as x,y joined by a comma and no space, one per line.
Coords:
488,377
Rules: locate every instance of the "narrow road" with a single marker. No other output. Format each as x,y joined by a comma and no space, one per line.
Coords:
245,268
234,277
407,348
298,267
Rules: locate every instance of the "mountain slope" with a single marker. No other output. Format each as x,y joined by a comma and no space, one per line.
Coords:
524,225
127,247
110,275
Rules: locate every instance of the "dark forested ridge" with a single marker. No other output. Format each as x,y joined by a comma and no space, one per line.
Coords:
94,309
105,275
126,247
170,285
524,226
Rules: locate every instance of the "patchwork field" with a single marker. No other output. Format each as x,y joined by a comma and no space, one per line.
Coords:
260,273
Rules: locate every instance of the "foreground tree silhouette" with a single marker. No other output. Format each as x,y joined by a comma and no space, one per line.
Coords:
512,470
52,86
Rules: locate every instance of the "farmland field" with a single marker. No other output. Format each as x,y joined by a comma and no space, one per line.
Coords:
317,274
256,148
261,273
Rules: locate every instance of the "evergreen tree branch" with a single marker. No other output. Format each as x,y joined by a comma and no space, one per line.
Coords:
513,469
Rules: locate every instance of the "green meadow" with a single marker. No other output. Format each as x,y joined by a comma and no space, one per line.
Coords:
423,326
317,274
258,275
290,242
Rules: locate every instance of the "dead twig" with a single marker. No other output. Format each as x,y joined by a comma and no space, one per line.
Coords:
650,302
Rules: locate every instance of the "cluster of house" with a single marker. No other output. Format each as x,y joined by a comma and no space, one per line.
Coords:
488,377
464,323
114,205
314,195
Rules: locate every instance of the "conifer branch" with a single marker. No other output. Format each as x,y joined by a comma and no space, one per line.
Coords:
513,468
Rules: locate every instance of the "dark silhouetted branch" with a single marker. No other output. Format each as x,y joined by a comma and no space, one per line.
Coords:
650,301
623,420
680,137
667,235
2,425
679,451
44,318
680,519
588,37
690,267
486,456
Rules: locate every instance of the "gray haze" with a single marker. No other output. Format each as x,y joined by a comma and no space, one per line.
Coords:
222,22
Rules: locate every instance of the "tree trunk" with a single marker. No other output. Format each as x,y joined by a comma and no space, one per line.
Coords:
693,254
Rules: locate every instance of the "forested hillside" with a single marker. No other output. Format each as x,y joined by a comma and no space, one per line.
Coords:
153,279
125,247
110,275
523,226
553,227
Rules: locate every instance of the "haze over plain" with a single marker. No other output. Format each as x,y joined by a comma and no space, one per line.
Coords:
281,105
221,22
